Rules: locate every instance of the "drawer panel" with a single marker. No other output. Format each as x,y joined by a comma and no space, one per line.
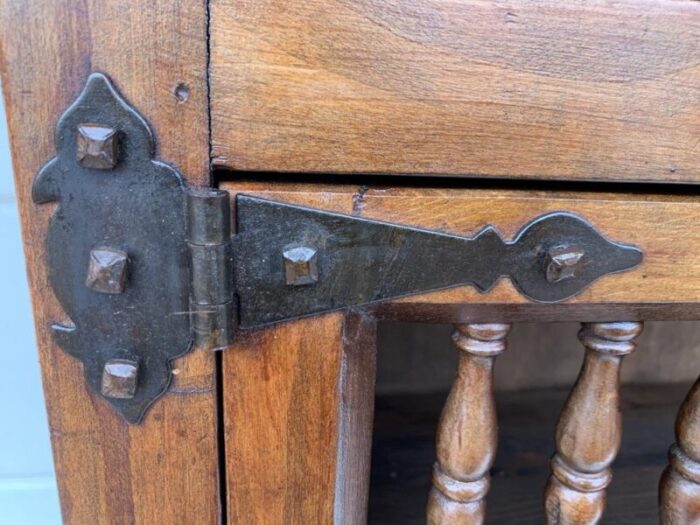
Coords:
597,90
665,285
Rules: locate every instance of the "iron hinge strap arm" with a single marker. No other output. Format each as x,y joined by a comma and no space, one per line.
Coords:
250,280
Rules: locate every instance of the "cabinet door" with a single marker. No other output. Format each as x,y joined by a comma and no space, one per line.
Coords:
297,398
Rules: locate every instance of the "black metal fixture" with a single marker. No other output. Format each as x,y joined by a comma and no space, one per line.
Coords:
143,265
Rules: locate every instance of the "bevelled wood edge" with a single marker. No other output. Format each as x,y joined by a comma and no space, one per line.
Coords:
512,313
164,470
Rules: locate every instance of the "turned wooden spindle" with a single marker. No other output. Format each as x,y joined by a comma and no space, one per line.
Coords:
679,491
590,428
467,433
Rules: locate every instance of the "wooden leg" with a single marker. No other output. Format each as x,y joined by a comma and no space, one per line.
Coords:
298,413
590,428
679,491
467,433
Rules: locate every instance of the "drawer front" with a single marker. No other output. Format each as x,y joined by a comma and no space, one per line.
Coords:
550,89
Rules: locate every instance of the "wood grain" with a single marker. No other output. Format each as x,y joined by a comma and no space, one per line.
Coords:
666,284
679,490
598,90
467,433
165,470
298,408
589,431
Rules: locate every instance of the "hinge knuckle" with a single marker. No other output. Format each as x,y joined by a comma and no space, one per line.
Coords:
209,239
213,325
208,216
211,270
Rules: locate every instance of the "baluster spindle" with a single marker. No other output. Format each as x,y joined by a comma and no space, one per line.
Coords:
590,428
679,492
467,433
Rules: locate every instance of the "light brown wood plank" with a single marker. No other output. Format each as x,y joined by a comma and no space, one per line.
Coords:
298,408
165,470
549,89
667,283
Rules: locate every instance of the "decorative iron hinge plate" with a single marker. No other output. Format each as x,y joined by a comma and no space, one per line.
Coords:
144,266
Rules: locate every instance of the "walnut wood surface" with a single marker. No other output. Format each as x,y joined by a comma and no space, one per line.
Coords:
679,491
552,89
467,433
165,470
589,431
298,408
665,285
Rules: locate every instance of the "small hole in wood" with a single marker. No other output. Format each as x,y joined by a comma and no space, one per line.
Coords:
181,92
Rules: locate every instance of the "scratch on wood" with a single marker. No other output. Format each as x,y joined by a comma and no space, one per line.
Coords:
358,200
185,391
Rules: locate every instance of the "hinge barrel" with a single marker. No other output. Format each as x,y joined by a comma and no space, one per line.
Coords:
209,239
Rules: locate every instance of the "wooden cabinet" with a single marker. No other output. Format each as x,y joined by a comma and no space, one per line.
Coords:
437,115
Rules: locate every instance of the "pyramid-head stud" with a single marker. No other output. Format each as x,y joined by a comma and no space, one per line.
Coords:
97,146
107,270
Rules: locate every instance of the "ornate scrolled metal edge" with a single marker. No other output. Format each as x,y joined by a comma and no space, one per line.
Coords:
135,207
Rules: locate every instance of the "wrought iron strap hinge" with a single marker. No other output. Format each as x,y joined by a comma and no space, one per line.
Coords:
144,265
